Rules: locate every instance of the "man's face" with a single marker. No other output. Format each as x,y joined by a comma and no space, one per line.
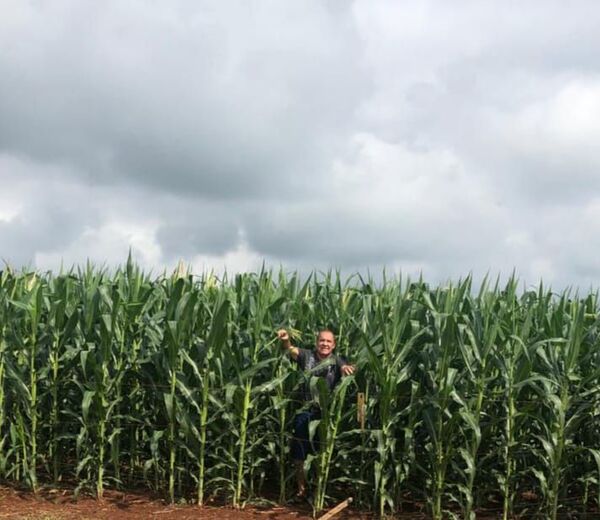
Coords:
325,344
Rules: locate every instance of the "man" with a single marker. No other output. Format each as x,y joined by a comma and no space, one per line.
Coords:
334,368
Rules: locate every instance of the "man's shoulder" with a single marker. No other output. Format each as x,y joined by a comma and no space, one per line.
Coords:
303,355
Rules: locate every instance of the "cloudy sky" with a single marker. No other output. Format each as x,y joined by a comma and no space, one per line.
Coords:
426,136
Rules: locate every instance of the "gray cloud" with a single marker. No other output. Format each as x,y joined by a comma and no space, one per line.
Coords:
48,228
183,99
206,228
386,204
424,137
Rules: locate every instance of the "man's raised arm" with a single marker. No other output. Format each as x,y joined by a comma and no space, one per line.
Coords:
286,345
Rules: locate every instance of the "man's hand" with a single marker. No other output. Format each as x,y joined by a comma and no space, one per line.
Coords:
284,337
348,370
286,344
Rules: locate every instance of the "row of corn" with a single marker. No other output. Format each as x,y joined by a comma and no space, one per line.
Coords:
477,399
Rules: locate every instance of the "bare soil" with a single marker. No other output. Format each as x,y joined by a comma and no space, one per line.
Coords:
52,504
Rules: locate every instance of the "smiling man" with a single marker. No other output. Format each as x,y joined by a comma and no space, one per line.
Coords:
320,362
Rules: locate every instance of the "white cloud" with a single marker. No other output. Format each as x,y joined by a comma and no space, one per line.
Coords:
213,100
240,259
385,204
567,124
108,244
422,136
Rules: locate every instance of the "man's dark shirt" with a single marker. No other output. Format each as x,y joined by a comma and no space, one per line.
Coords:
331,371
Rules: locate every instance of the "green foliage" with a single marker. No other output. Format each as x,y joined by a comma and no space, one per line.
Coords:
475,398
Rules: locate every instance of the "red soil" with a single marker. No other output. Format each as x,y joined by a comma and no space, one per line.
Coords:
61,505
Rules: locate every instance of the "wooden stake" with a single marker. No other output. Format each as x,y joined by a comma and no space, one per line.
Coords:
340,507
360,409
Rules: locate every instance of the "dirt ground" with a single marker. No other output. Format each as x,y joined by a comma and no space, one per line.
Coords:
55,504
61,505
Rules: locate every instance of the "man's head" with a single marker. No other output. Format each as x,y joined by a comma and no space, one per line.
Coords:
325,343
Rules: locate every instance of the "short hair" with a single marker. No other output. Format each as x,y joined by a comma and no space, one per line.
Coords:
326,330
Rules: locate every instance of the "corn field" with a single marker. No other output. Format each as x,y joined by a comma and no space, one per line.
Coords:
478,400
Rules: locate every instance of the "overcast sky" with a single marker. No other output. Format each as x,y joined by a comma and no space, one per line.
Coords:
426,136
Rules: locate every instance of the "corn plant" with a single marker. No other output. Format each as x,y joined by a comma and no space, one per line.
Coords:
514,367
24,370
389,340
331,404
63,318
251,355
180,315
8,285
563,366
441,378
477,341
117,379
211,334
